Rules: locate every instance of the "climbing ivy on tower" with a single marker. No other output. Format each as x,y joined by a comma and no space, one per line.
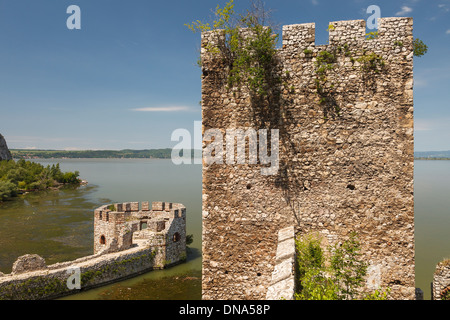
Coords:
325,64
248,48
326,73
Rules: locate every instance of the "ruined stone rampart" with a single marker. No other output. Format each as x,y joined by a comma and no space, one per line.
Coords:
128,241
440,288
345,158
48,282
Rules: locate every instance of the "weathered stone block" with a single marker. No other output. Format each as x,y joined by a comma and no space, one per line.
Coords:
285,250
281,290
286,233
145,206
158,206
134,206
283,270
28,262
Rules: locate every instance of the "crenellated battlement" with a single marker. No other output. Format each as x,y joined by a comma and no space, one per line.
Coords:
350,32
119,226
297,37
119,212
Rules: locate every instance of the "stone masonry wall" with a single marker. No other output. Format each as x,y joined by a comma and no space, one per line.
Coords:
345,165
111,226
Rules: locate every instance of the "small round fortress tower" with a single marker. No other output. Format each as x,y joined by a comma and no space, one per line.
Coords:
121,226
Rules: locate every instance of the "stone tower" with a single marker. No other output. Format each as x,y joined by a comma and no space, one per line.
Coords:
346,158
120,226
111,230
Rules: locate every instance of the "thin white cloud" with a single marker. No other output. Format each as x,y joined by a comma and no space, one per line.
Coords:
315,2
163,109
431,124
422,125
448,31
420,82
444,7
405,10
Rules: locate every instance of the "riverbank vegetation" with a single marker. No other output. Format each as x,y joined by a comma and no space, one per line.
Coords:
24,176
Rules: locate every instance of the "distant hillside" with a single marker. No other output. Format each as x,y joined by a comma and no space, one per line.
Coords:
5,154
59,154
432,155
93,154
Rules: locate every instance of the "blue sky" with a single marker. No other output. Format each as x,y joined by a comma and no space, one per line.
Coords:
128,78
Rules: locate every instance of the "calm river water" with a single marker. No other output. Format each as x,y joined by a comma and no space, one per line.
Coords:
58,225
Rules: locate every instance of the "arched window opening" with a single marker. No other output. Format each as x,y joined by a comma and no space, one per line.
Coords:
176,237
102,240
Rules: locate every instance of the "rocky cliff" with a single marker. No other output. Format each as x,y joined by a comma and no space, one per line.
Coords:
4,151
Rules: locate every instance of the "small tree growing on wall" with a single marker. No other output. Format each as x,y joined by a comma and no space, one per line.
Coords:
419,47
334,276
248,49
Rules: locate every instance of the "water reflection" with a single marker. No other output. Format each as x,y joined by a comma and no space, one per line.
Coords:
56,225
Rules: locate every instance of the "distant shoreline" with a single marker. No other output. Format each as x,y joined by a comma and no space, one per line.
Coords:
423,158
33,154
30,154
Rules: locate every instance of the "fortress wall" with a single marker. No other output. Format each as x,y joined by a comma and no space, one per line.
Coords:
440,287
96,270
345,165
117,259
110,230
176,238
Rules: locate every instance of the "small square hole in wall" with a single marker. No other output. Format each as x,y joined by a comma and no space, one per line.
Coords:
322,34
